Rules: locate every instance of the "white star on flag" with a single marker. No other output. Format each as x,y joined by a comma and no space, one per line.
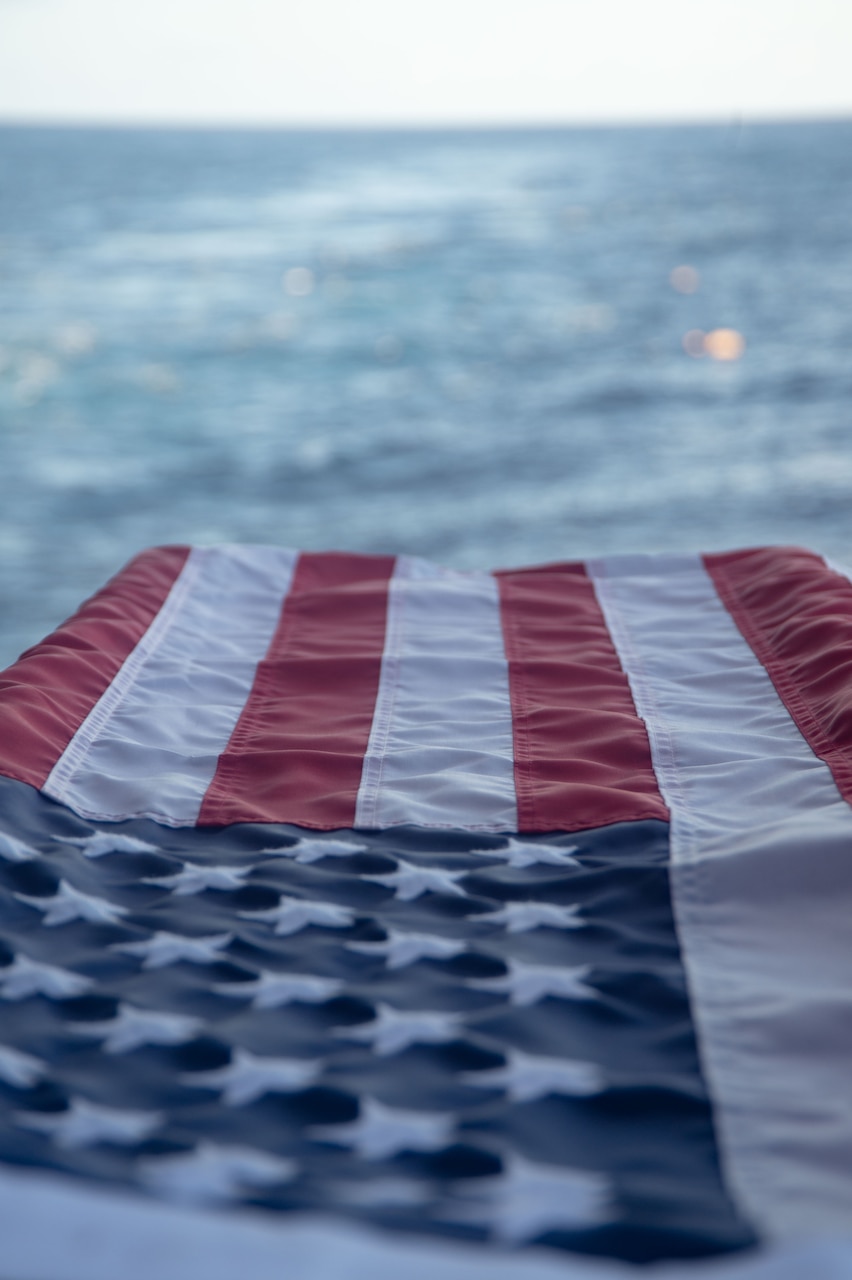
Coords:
528,983
381,1131
291,915
248,1076
383,1193
520,854
194,879
393,1030
131,1028
212,1174
309,850
271,990
526,1077
169,948
521,917
14,850
25,977
530,1199
409,882
402,949
102,843
69,904
19,1069
85,1123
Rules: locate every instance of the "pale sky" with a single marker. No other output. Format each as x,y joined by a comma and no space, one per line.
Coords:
422,61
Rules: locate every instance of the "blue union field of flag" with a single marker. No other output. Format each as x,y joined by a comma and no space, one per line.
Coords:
360,917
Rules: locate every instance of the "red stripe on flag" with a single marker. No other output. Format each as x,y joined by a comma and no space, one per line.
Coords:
297,752
796,614
582,756
47,694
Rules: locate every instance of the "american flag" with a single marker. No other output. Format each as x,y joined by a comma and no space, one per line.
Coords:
360,915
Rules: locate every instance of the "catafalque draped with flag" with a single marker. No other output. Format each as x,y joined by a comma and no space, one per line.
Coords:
359,915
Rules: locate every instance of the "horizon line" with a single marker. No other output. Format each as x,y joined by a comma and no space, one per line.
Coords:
736,119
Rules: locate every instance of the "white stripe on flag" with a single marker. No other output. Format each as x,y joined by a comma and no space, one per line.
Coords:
761,847
100,1234
150,746
441,750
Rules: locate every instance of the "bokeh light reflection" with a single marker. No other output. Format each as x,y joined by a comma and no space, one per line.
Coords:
684,279
298,282
719,344
724,344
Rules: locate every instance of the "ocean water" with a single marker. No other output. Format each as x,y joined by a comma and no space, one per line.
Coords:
463,345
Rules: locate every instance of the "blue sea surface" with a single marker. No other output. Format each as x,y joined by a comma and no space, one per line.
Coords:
464,345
